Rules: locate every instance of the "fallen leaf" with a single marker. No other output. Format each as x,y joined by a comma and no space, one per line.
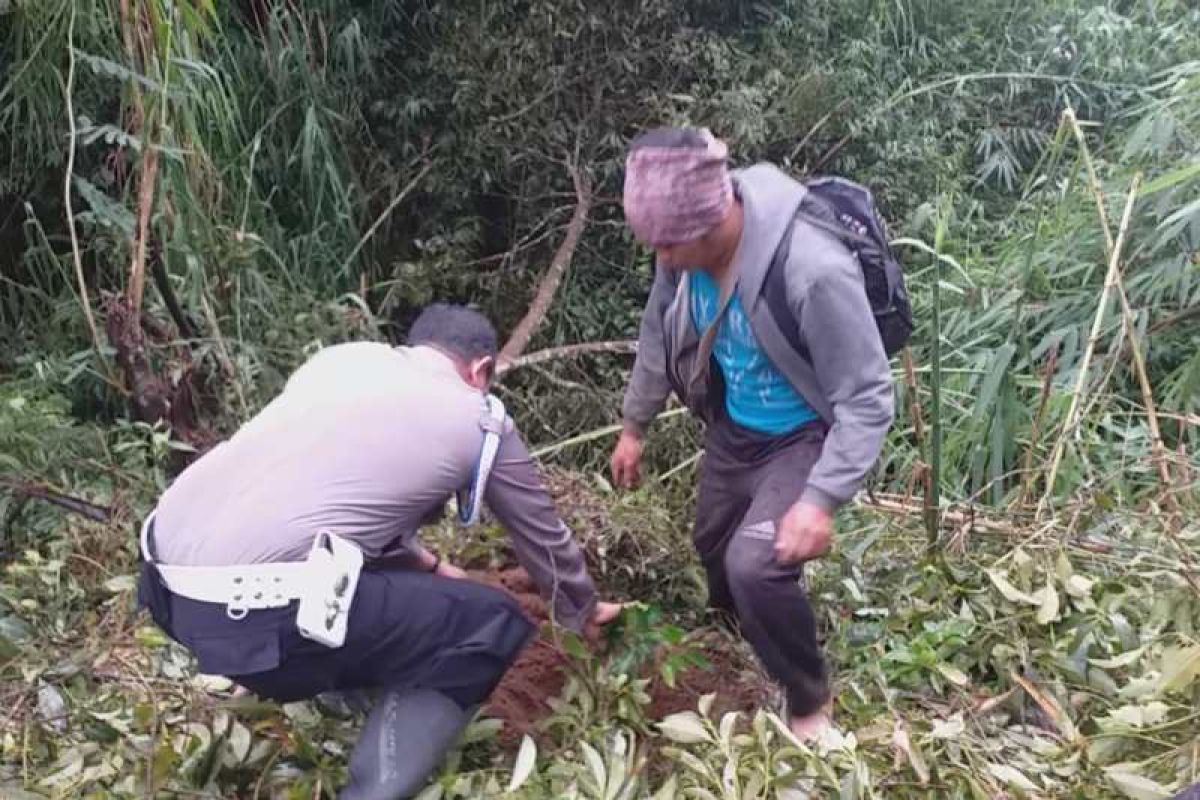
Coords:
1180,667
1012,776
1079,586
952,674
121,583
1053,710
526,758
1137,787
902,742
1122,660
1048,610
1011,593
948,728
686,727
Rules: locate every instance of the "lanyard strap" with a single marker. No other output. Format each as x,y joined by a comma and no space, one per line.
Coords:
470,500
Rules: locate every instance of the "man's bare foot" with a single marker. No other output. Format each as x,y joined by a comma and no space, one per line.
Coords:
809,728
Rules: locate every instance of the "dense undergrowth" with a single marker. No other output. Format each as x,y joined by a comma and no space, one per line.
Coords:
1011,611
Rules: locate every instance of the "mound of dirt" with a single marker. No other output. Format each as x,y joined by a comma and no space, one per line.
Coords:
521,700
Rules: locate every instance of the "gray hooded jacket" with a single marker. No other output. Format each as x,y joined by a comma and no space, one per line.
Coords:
848,383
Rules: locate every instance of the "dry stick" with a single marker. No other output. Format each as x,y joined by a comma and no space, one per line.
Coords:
75,254
1109,281
949,519
549,284
570,351
1158,450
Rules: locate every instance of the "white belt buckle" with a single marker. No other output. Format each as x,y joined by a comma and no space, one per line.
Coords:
333,569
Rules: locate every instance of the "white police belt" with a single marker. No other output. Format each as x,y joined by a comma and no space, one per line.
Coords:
493,428
324,584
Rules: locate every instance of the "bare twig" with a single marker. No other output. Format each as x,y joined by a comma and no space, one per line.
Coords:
1174,319
397,200
550,282
569,351
70,172
1109,282
813,130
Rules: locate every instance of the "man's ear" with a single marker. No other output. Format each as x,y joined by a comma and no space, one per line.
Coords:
481,372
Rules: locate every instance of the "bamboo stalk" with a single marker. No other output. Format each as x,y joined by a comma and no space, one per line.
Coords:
917,412
933,497
1034,433
1109,282
70,172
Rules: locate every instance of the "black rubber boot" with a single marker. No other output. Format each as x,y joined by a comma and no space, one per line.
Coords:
404,739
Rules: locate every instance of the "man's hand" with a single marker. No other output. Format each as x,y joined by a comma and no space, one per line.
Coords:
804,533
625,460
448,570
603,614
606,612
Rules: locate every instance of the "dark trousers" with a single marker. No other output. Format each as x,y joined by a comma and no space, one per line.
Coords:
406,630
746,486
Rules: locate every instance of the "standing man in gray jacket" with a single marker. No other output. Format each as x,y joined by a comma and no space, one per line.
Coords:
790,431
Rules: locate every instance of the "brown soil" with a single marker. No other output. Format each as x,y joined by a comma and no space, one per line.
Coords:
736,682
521,699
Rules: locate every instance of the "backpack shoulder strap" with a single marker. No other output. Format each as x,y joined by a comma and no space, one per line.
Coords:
776,294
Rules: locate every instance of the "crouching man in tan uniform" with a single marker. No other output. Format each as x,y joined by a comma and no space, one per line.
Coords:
287,557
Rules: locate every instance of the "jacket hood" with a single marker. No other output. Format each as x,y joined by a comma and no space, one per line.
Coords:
770,198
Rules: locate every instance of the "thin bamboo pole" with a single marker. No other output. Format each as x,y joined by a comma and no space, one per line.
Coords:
1110,281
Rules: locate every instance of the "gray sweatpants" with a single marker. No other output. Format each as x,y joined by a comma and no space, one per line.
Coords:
747,483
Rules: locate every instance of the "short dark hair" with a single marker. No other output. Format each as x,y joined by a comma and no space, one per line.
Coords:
684,138
460,331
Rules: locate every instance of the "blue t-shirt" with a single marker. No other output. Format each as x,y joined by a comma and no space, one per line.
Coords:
757,395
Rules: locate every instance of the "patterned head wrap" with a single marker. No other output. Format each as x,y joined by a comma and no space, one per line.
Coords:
677,185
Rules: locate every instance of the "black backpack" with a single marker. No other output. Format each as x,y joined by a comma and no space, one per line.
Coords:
847,210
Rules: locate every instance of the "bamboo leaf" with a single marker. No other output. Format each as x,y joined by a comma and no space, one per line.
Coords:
1173,178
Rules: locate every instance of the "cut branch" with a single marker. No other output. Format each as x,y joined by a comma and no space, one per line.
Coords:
73,504
569,351
550,282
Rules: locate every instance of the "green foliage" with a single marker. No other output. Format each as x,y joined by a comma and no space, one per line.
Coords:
324,166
